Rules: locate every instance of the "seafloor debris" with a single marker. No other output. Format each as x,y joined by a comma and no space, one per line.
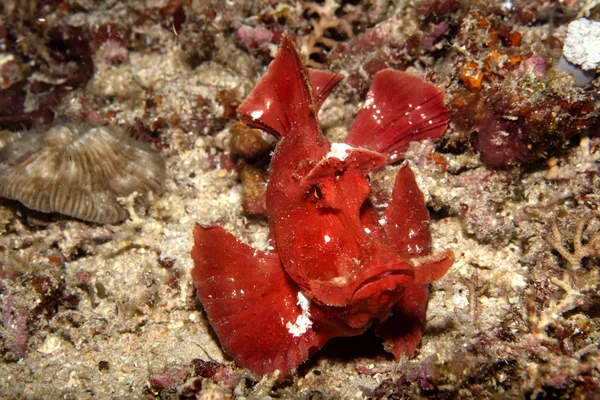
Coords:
254,183
324,20
79,171
251,151
580,251
516,105
62,54
247,142
32,290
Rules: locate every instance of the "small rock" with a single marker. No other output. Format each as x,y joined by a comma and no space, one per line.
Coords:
582,44
51,344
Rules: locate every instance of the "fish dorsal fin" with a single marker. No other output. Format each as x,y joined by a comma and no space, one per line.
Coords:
399,108
322,83
282,99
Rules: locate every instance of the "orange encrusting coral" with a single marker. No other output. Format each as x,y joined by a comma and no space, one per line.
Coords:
471,76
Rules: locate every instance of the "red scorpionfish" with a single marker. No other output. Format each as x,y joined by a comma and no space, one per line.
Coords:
338,266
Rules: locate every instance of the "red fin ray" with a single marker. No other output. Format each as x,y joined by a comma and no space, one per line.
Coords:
282,100
399,108
249,301
322,83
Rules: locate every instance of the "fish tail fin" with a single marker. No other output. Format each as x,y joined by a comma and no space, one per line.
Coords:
399,108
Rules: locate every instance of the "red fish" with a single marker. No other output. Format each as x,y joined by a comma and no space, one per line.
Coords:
338,267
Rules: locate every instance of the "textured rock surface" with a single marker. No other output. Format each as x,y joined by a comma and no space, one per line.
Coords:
105,312
582,43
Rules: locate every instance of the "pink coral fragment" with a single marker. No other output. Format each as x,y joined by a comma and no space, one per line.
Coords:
254,37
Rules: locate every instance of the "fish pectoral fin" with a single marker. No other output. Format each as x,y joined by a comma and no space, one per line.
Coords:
406,225
401,332
251,303
432,268
406,219
399,108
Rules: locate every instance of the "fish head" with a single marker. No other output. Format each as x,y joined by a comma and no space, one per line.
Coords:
329,237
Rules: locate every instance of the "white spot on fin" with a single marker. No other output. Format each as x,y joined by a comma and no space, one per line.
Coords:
303,321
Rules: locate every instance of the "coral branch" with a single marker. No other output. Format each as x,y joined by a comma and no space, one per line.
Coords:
580,251
324,18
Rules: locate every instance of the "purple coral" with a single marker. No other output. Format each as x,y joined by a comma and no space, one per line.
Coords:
15,326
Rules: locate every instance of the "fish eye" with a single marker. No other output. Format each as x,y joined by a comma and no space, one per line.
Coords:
339,173
316,194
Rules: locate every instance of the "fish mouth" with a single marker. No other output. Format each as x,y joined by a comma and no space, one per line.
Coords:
375,296
338,292
384,281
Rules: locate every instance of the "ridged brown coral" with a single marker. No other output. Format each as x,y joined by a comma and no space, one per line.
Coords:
79,171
